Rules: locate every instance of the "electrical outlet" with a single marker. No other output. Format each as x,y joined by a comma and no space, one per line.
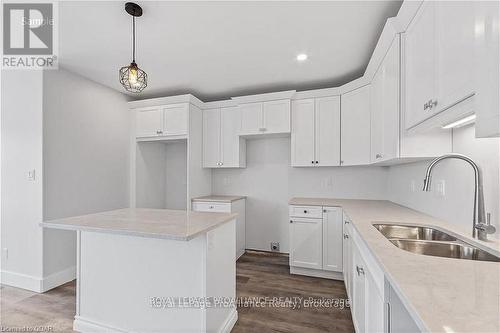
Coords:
31,175
328,182
275,246
440,188
5,253
413,188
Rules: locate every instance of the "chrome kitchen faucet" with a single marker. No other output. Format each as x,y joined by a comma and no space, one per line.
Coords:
481,226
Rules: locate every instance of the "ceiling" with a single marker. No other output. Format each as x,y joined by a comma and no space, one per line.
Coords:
217,50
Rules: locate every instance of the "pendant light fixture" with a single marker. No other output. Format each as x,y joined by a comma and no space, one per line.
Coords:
133,78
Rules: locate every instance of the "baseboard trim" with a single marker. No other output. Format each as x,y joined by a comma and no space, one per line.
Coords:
37,284
83,325
230,322
22,281
317,273
58,278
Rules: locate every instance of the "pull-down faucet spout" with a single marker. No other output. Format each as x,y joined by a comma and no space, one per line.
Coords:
481,227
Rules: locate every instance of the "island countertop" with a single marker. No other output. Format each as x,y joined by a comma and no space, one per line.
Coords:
145,222
443,294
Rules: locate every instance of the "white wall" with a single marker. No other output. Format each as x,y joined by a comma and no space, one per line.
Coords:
456,205
85,157
269,182
21,199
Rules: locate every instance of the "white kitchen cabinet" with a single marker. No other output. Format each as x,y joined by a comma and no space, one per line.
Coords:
175,119
347,256
327,143
226,205
316,132
272,117
332,239
306,242
487,69
420,65
162,121
149,122
303,136
276,116
316,241
358,290
364,282
355,127
211,138
222,146
439,60
385,107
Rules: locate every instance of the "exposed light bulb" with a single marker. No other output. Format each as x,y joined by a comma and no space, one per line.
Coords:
132,76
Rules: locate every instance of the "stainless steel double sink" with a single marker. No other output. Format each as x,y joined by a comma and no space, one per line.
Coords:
432,242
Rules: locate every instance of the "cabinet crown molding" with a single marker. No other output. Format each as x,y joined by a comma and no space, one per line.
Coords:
288,94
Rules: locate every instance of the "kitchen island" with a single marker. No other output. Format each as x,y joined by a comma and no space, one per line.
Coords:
154,270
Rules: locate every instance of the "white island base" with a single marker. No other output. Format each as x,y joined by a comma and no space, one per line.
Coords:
133,265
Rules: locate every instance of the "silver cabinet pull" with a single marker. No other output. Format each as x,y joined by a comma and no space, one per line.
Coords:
347,222
430,104
312,162
291,221
360,270
159,132
346,236
378,156
305,211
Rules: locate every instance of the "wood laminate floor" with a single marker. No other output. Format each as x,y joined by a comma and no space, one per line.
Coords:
263,280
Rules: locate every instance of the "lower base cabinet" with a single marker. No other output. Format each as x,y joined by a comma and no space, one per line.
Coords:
375,307
237,206
316,241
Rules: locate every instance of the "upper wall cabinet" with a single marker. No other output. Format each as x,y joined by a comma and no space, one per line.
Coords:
272,117
222,146
385,107
390,142
355,124
487,69
316,132
162,121
438,59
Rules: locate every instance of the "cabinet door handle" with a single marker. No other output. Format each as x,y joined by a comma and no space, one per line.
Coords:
388,317
291,221
305,211
360,270
378,156
312,162
341,162
316,162
346,236
159,132
347,222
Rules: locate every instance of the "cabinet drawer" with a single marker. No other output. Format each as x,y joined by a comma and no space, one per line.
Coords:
211,207
306,211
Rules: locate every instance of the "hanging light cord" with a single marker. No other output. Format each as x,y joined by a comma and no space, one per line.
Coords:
133,39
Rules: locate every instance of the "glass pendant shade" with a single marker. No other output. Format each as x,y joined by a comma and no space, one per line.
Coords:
133,79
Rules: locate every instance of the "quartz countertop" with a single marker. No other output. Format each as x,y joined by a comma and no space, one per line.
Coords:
145,222
442,294
219,198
